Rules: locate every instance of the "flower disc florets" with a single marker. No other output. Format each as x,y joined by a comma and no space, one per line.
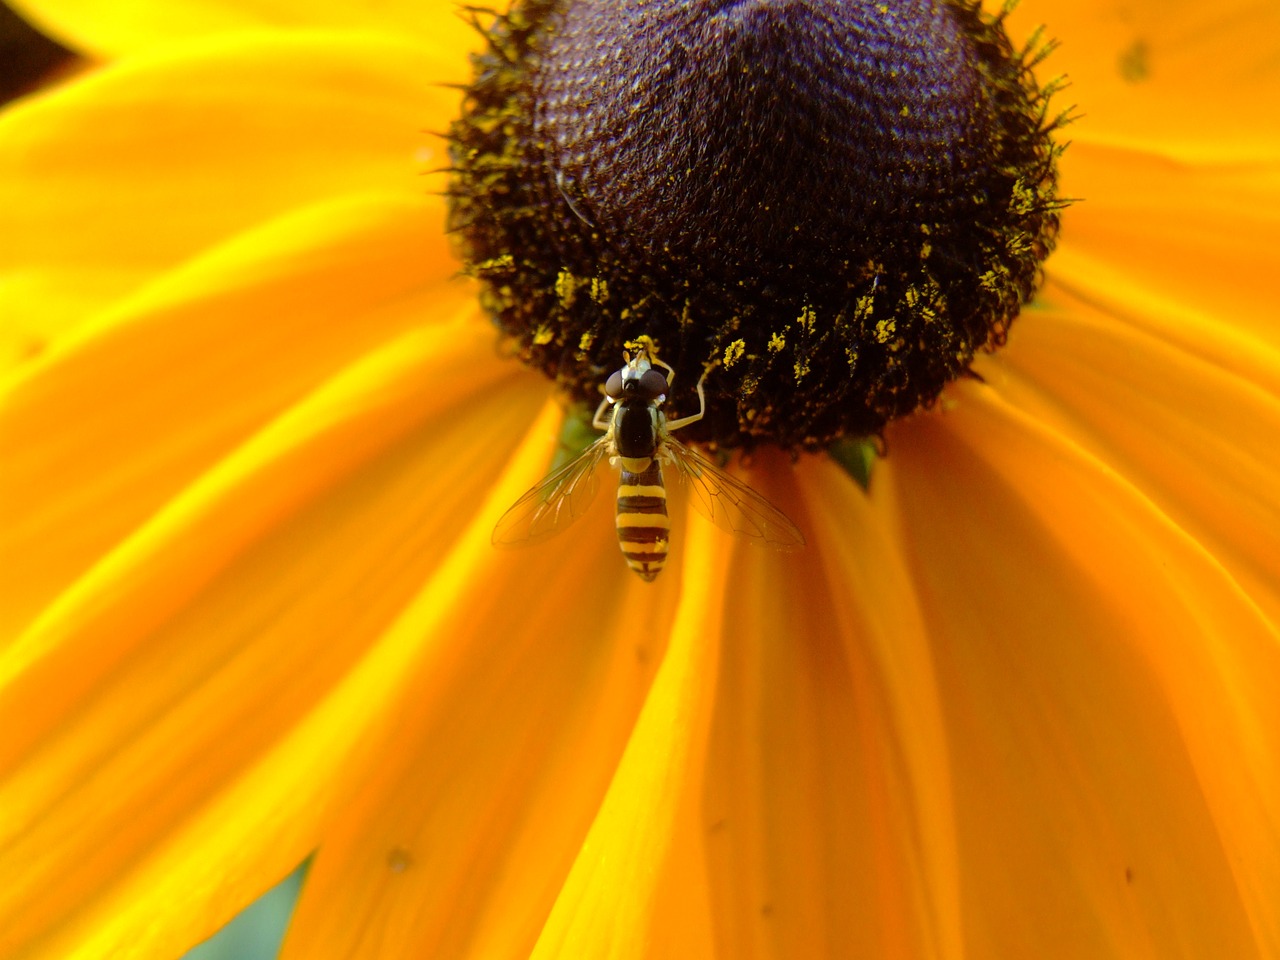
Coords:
837,202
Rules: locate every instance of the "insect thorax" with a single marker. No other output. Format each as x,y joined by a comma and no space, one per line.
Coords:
635,428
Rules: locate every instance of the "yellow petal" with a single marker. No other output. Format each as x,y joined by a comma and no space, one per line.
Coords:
608,902
1111,695
488,770
1185,80
113,30
1164,240
1240,349
129,171
825,820
101,433
1179,428
209,678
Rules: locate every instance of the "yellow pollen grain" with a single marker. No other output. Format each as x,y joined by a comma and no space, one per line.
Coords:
599,290
495,264
1018,244
1023,200
884,330
544,335
777,342
566,288
733,352
808,319
801,368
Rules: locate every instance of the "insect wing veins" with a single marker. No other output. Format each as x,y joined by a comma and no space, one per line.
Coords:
729,503
554,503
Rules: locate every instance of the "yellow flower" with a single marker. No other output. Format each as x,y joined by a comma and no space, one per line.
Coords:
1020,699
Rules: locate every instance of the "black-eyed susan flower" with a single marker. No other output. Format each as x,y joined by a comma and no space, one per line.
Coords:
1018,697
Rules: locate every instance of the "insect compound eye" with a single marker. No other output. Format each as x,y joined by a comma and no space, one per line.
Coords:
613,386
652,385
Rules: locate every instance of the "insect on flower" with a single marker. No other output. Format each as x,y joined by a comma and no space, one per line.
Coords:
638,442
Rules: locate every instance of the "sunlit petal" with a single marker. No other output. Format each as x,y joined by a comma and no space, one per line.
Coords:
826,819
160,387
105,29
1189,436
128,172
495,759
1115,735
609,903
1178,78
1163,243
239,592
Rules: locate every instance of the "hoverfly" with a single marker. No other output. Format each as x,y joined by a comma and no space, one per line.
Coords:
638,442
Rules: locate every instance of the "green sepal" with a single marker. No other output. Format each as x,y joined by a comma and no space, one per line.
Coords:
857,457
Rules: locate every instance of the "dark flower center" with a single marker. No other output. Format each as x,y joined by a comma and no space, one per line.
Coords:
836,202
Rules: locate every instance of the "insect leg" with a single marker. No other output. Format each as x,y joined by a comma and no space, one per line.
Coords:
597,421
702,406
671,373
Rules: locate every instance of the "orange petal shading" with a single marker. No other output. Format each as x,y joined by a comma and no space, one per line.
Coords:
488,769
1179,428
102,432
1186,80
108,181
1178,248
107,29
826,817
1111,695
182,695
608,902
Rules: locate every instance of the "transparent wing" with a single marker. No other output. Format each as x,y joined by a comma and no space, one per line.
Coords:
730,504
561,498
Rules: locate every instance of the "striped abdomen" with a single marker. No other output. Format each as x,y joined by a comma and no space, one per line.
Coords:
643,526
